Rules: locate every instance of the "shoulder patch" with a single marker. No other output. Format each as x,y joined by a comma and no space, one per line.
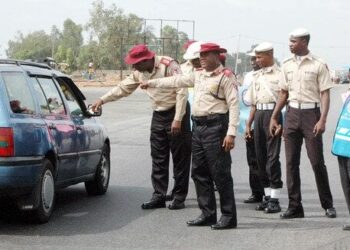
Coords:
320,60
288,59
227,72
165,61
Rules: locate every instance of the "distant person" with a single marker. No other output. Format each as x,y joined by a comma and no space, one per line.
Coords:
257,190
305,85
91,71
263,93
170,127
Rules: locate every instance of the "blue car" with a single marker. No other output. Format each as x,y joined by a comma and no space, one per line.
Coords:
49,139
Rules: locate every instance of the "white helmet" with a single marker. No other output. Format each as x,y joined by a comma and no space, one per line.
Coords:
192,51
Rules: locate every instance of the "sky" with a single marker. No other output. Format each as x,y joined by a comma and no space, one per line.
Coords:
234,24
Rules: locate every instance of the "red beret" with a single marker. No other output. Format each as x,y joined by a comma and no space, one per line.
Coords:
206,47
138,53
188,43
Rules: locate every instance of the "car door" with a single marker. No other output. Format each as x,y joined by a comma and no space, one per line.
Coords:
89,134
61,128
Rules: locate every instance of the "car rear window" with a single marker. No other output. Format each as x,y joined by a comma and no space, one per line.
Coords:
21,99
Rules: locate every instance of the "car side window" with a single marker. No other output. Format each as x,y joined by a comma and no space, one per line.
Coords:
52,95
21,99
44,106
74,108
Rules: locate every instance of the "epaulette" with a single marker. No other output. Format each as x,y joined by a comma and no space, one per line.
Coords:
320,60
288,59
227,72
166,61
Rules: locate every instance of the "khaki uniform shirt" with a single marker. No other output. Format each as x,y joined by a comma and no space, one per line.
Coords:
187,68
264,87
162,99
206,84
305,79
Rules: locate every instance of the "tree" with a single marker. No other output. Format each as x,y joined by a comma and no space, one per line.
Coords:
170,42
36,45
56,37
72,37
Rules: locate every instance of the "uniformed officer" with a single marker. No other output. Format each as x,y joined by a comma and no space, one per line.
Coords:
214,132
305,84
192,57
344,163
170,127
254,181
192,63
263,93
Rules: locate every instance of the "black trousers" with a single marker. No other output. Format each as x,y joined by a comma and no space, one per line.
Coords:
211,164
344,170
299,124
162,143
254,181
267,150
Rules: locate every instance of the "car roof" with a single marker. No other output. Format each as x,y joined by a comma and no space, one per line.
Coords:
39,69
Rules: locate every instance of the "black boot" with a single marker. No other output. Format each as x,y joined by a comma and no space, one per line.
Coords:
263,204
273,206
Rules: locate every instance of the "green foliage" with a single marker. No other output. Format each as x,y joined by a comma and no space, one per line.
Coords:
171,44
111,34
33,46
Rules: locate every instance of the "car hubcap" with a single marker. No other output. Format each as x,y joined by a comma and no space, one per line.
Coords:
104,170
47,191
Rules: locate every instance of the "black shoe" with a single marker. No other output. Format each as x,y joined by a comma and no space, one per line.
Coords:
331,213
152,204
176,205
292,213
346,227
202,221
225,223
273,206
169,197
263,204
254,198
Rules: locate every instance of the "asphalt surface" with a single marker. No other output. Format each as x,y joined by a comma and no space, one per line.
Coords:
116,220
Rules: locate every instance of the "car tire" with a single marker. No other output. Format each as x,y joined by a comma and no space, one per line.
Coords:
46,194
99,184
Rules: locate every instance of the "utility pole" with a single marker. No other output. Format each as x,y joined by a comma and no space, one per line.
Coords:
237,52
121,58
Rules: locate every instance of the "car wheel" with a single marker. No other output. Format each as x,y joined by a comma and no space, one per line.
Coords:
46,194
99,184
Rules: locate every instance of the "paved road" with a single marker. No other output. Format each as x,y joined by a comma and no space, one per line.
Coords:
116,221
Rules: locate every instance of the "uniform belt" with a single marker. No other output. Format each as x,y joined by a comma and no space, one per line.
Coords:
306,105
265,106
209,120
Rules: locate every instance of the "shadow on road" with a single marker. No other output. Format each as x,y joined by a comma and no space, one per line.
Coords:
77,213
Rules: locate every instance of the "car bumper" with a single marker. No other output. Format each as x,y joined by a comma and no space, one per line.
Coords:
19,175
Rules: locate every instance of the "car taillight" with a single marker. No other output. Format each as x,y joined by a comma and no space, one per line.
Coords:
6,142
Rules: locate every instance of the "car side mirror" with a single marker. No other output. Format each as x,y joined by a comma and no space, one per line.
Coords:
90,112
